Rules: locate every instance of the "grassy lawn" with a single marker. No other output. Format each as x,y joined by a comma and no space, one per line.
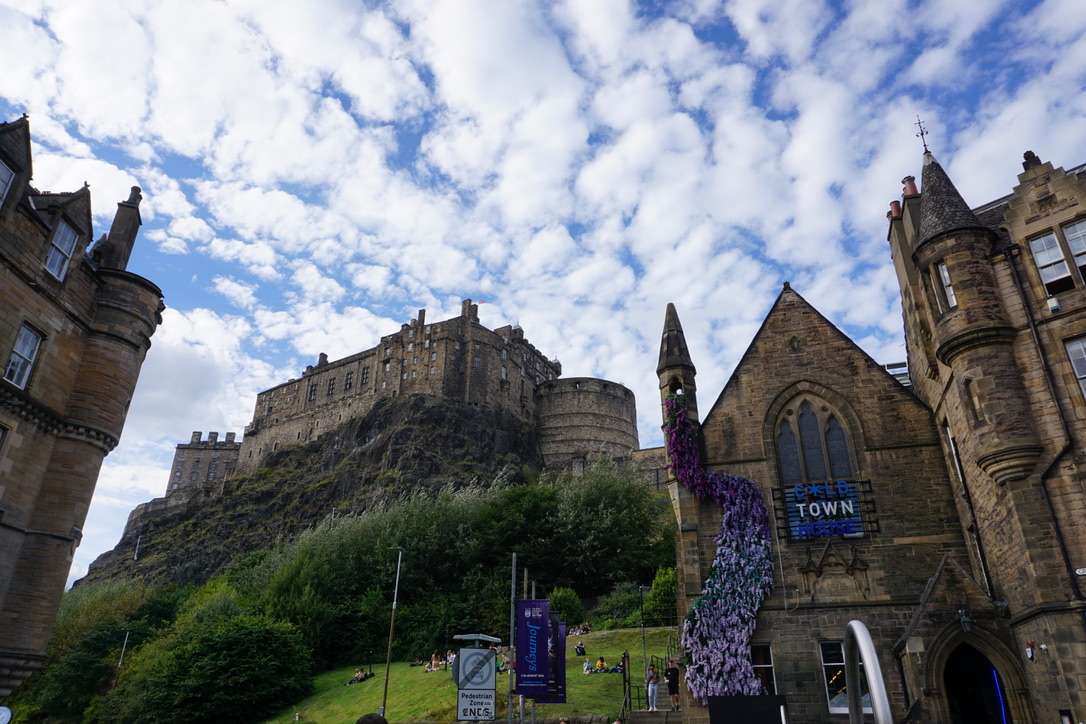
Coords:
414,695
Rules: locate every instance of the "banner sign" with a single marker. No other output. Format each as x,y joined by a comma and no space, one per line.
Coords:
556,665
533,625
822,510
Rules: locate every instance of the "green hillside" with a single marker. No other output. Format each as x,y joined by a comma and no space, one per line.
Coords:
414,695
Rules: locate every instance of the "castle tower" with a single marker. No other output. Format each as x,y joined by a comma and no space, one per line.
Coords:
76,328
969,329
675,370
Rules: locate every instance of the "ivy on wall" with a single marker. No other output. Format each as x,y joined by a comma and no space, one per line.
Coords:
717,630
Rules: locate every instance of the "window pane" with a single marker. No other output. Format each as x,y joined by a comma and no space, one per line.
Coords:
840,465
760,655
832,652
1046,250
56,263
1054,272
26,343
1076,237
811,442
65,238
788,453
765,675
1076,350
17,371
6,175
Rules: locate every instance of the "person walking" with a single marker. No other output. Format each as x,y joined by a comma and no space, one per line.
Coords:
671,673
652,680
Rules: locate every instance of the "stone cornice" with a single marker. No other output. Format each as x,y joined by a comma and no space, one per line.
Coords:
971,338
51,422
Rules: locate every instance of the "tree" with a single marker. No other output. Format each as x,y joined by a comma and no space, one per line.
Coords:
566,605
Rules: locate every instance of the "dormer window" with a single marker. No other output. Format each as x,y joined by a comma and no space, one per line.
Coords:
7,176
60,250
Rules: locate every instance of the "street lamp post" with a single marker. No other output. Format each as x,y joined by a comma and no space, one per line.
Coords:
644,646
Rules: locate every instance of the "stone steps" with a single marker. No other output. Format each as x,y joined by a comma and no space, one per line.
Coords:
655,717
15,668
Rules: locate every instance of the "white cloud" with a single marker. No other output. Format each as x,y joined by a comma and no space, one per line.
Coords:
239,293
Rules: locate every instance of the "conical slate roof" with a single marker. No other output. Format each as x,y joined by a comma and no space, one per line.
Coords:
942,208
673,351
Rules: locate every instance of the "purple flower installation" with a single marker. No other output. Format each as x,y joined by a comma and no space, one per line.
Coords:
716,633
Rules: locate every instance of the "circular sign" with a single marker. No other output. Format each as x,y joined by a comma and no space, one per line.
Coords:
476,668
5,715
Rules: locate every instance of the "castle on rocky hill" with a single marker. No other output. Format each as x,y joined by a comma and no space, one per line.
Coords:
576,419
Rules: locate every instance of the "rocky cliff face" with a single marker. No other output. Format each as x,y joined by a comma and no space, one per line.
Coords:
401,446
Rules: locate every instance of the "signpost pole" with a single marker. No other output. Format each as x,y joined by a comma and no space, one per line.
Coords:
644,646
391,629
523,595
512,637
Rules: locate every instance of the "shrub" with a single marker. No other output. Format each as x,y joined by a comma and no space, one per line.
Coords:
241,668
566,605
621,608
660,607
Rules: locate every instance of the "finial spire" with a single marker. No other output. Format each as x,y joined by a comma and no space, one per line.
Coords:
673,350
922,134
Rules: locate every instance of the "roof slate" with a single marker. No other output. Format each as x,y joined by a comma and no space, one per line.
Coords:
942,208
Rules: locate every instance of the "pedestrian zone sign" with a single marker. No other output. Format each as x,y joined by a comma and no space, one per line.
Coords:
477,674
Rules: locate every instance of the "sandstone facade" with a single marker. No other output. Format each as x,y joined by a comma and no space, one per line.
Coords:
203,463
73,336
967,567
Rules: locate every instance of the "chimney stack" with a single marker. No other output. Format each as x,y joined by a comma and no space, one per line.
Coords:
322,359
115,250
908,186
196,436
895,210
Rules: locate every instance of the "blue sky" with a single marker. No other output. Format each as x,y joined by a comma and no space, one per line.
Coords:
315,172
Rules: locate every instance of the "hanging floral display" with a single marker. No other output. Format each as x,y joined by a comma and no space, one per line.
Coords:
717,631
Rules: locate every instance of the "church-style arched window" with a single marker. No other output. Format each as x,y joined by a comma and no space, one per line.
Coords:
812,444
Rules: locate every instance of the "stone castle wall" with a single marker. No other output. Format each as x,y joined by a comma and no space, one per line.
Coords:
580,418
456,358
202,463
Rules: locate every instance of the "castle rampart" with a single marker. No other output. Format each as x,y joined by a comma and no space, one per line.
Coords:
201,462
581,418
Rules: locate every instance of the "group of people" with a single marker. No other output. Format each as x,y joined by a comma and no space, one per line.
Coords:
652,682
360,675
601,667
579,630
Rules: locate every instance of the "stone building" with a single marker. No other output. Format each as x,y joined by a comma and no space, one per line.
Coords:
459,359
966,549
74,332
203,463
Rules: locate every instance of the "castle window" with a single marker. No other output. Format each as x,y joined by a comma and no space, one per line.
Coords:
23,354
1076,350
411,346
365,375
972,401
413,374
312,393
947,287
505,355
426,344
833,672
807,443
1076,241
348,380
331,386
410,335
1051,264
505,375
478,361
387,365
6,177
212,468
403,375
433,370
195,470
761,658
60,250
433,355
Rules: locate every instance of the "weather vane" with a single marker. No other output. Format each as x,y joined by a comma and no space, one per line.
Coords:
922,133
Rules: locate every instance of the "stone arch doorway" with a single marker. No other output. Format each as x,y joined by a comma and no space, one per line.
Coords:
945,650
975,692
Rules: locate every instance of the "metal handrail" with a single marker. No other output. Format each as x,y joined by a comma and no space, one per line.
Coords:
858,645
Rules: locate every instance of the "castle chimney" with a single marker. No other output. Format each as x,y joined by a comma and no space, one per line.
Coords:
895,210
114,252
213,437
422,318
230,437
322,359
465,308
908,186
196,436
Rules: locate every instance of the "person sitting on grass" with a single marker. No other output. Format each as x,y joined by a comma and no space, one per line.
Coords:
359,677
601,666
587,666
580,650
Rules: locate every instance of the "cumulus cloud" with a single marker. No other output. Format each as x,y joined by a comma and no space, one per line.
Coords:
314,173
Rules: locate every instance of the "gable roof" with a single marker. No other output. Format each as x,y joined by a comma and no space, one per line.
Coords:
778,308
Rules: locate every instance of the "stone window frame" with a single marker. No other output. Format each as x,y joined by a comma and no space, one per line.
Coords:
32,362
1075,273
331,387
974,407
57,251
937,288
823,412
364,375
839,672
311,392
1078,370
348,380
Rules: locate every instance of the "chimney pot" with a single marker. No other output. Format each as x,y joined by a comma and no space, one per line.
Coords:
908,186
895,210
322,359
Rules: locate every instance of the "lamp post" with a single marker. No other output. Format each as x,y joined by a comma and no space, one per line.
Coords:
391,629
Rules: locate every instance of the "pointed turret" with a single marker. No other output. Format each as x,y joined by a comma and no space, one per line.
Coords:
675,369
942,208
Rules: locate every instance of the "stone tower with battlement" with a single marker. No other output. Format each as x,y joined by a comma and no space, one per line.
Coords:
74,331
201,463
